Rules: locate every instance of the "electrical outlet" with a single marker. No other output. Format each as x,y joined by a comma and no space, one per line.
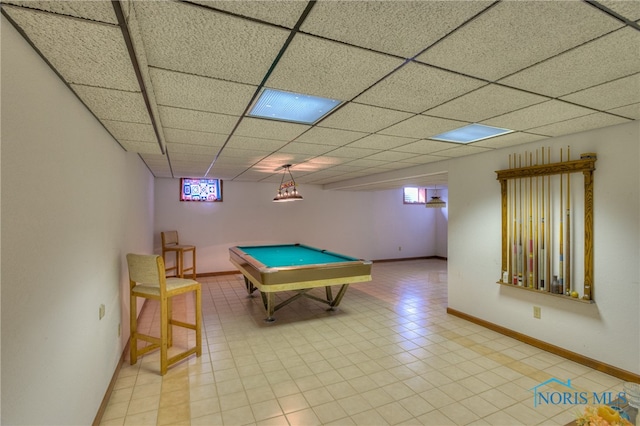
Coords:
101,311
536,312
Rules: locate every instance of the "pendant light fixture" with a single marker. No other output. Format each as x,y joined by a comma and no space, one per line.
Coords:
435,202
288,190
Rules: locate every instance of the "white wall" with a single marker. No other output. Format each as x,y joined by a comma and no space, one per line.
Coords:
608,331
369,225
73,204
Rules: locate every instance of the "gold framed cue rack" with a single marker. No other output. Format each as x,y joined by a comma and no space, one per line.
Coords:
547,224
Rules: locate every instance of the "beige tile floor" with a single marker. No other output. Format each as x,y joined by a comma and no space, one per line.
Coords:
389,355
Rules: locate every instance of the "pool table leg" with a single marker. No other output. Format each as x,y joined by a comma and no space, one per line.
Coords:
249,285
335,302
268,299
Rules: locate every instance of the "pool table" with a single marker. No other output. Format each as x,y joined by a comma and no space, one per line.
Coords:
296,267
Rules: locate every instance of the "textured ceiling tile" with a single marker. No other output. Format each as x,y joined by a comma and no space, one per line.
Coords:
628,9
380,141
610,95
95,10
416,88
584,66
318,67
110,104
327,136
631,111
461,151
511,139
200,93
516,34
207,152
193,39
366,162
83,52
486,102
270,129
123,130
363,118
423,159
402,28
281,12
579,124
255,144
347,152
538,115
422,127
190,137
186,119
252,155
390,156
140,147
309,149
425,147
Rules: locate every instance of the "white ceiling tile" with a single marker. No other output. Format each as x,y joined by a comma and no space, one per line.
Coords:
318,67
282,12
463,150
379,141
130,131
95,10
201,121
327,136
140,147
423,159
254,144
579,124
425,147
196,40
308,149
538,115
624,91
363,118
207,152
190,137
200,93
398,28
510,139
366,163
83,52
517,34
416,88
422,127
631,111
584,66
270,129
113,104
486,102
348,152
390,156
629,9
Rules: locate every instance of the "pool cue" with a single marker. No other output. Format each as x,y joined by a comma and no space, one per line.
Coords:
542,258
568,249
514,261
530,282
520,260
549,241
561,246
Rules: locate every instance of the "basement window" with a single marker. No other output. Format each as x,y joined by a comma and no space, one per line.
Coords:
414,195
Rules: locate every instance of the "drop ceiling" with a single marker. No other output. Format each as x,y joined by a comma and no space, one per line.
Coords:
173,81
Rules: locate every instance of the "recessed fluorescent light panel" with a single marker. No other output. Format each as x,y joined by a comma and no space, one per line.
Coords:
471,133
294,107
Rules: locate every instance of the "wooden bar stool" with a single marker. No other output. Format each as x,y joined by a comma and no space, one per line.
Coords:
170,242
147,279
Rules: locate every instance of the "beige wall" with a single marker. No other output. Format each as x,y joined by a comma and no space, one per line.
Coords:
73,204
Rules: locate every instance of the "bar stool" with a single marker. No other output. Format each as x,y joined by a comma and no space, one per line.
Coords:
170,242
147,278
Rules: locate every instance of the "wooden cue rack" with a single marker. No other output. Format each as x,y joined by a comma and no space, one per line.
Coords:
511,183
